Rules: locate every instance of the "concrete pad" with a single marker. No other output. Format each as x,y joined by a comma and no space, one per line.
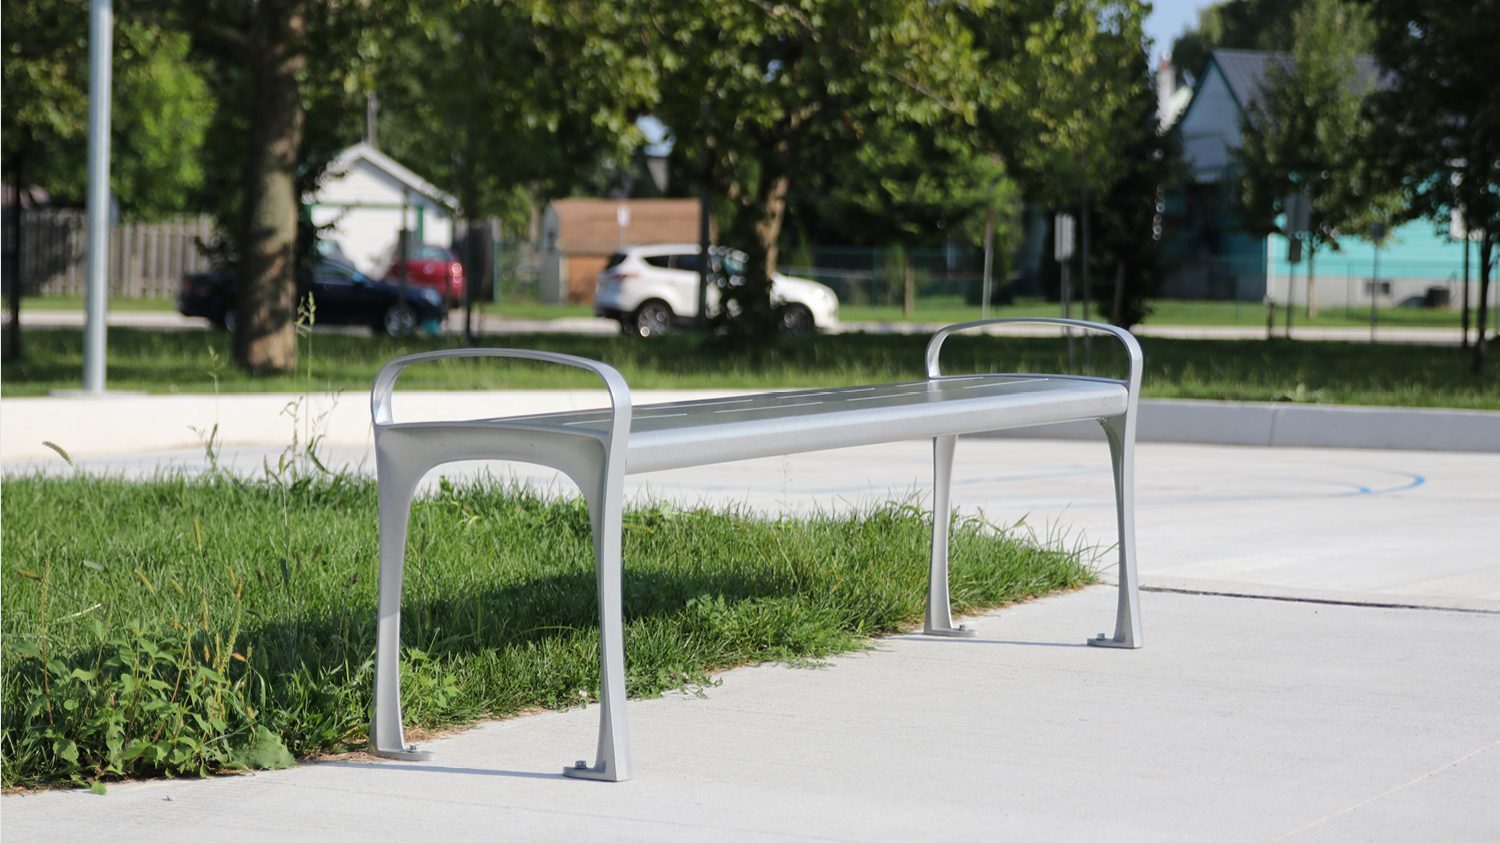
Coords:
1298,426
1239,720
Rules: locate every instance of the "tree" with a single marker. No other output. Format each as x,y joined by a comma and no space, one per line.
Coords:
1237,25
905,182
1128,214
1437,119
527,97
289,76
910,185
762,89
1067,105
160,103
1301,136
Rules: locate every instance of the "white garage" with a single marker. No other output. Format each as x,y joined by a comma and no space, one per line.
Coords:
361,201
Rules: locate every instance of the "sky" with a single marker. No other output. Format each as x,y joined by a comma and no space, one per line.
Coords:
1167,21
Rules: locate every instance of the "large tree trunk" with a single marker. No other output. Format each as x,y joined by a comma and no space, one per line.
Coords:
1463,341
1486,266
756,315
265,338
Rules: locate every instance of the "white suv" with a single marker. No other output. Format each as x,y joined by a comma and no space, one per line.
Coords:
649,289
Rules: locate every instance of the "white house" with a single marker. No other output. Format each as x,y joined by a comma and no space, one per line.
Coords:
361,199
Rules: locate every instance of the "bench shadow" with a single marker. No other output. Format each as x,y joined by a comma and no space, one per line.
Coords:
915,636
422,767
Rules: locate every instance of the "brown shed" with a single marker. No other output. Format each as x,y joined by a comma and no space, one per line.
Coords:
579,235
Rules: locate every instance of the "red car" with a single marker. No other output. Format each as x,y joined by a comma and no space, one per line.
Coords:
432,266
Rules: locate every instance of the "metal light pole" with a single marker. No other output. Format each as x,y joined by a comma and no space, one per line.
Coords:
101,25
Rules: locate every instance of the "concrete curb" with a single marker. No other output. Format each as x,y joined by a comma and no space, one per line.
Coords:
1300,426
122,424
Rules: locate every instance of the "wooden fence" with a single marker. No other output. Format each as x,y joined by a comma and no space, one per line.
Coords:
146,260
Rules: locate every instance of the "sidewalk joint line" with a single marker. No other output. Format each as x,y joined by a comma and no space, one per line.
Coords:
1355,807
1326,601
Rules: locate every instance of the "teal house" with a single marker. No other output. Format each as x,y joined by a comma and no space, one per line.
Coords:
1213,257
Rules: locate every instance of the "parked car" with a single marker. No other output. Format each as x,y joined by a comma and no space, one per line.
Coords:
651,289
431,266
342,295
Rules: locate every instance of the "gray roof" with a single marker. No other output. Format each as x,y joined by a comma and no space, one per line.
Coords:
1245,72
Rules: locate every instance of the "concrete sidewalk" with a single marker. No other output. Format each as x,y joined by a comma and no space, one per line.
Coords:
1303,708
131,423
1240,720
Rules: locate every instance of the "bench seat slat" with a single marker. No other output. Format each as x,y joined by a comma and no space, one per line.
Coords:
705,431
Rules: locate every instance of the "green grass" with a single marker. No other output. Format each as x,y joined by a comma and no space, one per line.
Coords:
62,302
185,626
1246,370
534,310
948,309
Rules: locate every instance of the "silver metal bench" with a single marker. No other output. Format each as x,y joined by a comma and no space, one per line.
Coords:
596,449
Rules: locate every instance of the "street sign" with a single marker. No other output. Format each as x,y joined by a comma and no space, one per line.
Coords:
1298,210
1062,238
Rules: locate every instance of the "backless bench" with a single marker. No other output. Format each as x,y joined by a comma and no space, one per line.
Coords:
596,449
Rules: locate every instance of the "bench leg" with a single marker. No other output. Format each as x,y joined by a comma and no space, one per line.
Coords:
605,500
396,485
939,617
1120,431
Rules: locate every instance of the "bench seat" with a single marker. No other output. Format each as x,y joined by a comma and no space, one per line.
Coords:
706,431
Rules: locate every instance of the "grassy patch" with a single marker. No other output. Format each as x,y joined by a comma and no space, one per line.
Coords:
949,309
939,308
186,626
1243,370
57,301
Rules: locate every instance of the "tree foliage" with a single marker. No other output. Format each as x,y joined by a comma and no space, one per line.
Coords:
1304,135
160,103
1060,80
1235,25
765,90
1127,253
526,96
1437,118
1067,106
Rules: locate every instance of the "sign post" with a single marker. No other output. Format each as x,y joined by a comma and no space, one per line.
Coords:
1298,210
1062,252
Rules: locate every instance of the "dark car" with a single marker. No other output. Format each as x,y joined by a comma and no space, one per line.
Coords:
342,295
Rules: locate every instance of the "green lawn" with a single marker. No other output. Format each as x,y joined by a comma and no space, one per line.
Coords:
186,626
1246,370
945,309
1164,312
60,302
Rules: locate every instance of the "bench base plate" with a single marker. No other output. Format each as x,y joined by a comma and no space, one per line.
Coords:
410,753
963,630
581,770
1103,641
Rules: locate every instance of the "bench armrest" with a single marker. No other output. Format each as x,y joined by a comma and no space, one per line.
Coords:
1132,348
614,382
